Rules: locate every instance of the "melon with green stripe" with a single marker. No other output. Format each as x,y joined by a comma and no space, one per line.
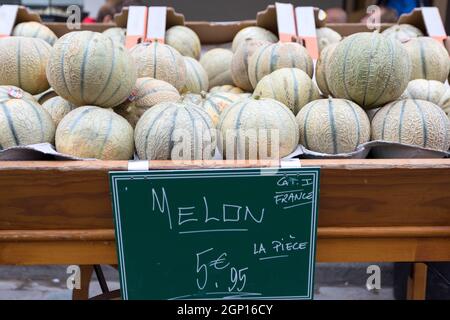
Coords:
327,36
402,32
58,108
88,68
22,120
268,58
257,129
290,86
93,132
33,29
196,77
160,61
146,93
175,131
23,62
430,59
254,33
321,78
226,88
369,69
413,122
215,103
185,40
239,63
118,35
429,90
217,63
333,126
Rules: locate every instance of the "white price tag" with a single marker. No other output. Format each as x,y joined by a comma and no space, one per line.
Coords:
8,15
156,25
286,21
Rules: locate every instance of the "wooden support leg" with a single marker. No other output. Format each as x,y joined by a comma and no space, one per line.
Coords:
417,282
86,276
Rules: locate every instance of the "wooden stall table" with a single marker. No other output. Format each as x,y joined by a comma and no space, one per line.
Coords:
59,212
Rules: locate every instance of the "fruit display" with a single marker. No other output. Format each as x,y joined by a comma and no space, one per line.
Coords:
217,63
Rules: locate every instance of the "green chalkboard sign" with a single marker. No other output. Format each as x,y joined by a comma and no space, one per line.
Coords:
216,234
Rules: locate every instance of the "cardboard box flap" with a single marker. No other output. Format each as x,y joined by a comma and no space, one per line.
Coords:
25,15
414,18
218,32
428,20
172,19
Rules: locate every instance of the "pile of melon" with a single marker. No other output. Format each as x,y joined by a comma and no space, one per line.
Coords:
91,97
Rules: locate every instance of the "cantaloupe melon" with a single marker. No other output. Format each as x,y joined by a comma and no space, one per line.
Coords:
215,103
185,40
257,129
93,132
290,86
266,59
369,69
196,76
33,29
402,32
255,33
193,98
321,78
146,93
429,90
46,95
160,61
88,68
23,62
22,120
175,131
226,88
239,63
327,36
412,122
58,108
217,63
429,59
333,126
118,35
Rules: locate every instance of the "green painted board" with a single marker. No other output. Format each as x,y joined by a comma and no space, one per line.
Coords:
216,234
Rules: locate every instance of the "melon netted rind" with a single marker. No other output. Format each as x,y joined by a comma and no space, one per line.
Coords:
226,88
254,33
217,63
23,62
327,36
239,63
93,132
193,98
175,131
118,35
430,59
368,69
160,61
215,103
257,129
196,77
402,32
413,122
185,40
23,121
58,108
147,93
268,58
290,86
322,62
33,29
333,126
88,68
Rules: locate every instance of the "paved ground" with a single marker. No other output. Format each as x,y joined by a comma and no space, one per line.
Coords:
333,281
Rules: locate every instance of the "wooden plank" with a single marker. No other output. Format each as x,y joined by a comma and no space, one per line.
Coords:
417,282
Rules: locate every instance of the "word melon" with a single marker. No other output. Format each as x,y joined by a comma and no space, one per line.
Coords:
23,62
146,93
257,129
327,36
369,69
333,126
290,86
254,33
93,132
22,120
117,35
321,77
58,108
184,40
196,77
226,88
413,122
217,63
87,68
239,63
215,103
160,61
429,90
267,59
402,32
35,29
429,59
175,131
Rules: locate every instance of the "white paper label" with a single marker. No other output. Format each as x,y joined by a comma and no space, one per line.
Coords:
136,21
8,15
156,25
433,22
285,19
306,24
